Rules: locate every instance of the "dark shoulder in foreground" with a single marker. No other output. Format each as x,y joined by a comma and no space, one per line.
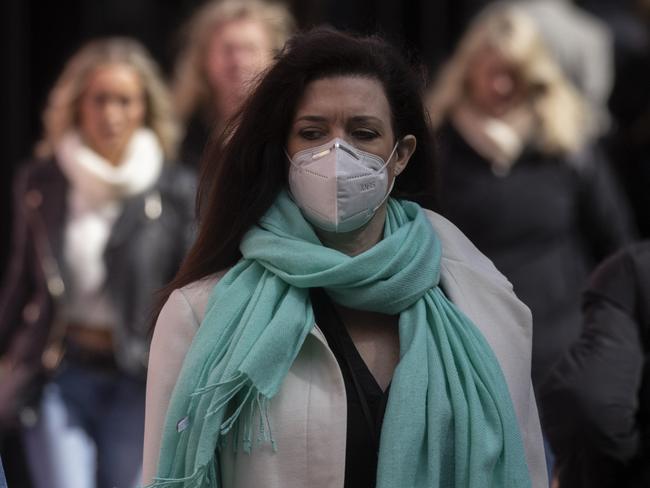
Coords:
624,278
629,262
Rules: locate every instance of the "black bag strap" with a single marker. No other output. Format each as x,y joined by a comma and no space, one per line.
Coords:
55,344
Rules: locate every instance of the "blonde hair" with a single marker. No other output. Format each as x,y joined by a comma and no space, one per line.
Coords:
191,86
61,112
559,110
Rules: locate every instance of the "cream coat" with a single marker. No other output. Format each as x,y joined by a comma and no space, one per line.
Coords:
308,416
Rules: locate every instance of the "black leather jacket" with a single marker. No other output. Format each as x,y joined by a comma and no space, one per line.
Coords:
146,245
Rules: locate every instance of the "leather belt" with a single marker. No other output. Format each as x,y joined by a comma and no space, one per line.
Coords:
90,338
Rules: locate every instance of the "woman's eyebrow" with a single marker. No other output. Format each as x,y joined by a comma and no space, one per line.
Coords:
366,119
311,118
355,119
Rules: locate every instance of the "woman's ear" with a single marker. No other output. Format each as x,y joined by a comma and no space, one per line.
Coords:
405,149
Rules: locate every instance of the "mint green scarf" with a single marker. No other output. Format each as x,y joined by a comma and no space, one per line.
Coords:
449,421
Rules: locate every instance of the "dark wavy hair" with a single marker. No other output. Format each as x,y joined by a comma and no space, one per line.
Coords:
243,168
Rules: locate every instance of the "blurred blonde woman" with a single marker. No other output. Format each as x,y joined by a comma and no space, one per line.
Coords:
228,43
519,174
102,220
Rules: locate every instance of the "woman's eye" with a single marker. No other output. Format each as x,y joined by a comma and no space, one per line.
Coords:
100,100
365,134
311,134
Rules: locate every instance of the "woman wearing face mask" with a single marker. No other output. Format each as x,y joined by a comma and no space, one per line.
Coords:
520,176
326,330
102,220
228,43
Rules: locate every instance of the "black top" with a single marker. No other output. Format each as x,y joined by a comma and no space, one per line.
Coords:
195,140
202,127
365,399
544,224
597,398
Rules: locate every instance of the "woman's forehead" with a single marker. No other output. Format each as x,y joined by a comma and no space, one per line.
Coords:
114,75
344,95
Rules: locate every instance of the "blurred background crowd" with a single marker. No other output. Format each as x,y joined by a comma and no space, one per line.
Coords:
541,114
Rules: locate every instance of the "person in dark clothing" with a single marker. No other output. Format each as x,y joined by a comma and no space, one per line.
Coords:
597,398
228,44
102,221
519,176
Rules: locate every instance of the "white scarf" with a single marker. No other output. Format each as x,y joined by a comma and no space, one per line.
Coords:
499,140
97,189
99,180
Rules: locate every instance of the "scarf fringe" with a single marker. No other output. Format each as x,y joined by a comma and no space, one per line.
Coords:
241,420
205,475
240,423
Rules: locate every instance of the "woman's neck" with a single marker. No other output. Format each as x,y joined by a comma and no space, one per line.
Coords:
357,241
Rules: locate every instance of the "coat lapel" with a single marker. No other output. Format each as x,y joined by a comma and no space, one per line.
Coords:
126,223
137,210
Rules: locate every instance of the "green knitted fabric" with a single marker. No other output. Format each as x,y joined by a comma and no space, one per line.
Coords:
449,421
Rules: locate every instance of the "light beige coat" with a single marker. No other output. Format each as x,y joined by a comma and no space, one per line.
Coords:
308,416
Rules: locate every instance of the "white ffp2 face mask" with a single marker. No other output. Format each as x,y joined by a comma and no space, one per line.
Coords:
338,187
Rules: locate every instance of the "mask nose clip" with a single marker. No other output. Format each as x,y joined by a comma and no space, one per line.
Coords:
338,145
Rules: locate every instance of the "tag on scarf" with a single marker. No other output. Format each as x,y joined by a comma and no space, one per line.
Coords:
182,424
